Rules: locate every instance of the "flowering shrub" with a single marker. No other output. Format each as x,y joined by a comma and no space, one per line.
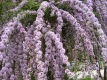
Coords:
42,39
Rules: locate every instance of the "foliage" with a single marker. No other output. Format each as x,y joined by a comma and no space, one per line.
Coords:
86,78
30,5
5,5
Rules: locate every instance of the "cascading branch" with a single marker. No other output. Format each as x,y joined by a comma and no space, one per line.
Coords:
40,51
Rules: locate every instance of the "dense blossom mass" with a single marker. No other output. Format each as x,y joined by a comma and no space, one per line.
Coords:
63,32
